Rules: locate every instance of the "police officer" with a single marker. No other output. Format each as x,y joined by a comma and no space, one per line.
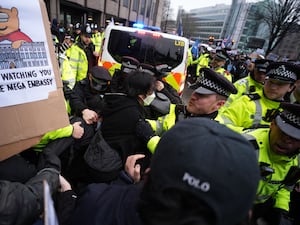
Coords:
86,99
278,149
254,82
82,57
204,60
218,63
77,31
96,37
210,94
256,110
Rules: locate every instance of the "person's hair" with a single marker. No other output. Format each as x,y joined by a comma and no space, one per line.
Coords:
221,97
139,83
172,206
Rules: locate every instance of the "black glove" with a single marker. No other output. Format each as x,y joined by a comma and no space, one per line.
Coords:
282,217
144,130
285,220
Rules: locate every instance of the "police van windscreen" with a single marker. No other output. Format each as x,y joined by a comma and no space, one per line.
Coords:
146,47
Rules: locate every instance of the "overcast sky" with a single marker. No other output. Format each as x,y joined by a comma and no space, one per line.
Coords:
193,4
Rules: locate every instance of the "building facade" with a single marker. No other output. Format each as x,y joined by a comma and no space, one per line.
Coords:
209,21
124,12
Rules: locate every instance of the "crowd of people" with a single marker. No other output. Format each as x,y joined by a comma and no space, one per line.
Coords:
135,153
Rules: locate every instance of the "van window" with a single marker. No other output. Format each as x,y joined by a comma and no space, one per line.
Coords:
145,47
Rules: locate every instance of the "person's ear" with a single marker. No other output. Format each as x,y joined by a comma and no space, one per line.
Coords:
220,103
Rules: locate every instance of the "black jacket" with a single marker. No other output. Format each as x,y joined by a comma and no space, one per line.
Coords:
22,204
103,204
120,116
82,97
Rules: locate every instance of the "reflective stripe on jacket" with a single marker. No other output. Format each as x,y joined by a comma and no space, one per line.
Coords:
246,113
78,64
244,86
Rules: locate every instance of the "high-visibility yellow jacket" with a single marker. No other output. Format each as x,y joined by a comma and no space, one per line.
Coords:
224,73
249,111
166,122
52,135
190,57
161,125
245,86
97,41
271,186
203,62
76,68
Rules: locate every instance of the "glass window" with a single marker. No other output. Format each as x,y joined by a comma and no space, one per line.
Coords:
143,6
135,5
145,48
149,8
126,3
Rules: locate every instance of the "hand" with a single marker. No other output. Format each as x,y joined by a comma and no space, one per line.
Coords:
297,187
133,169
159,85
89,116
64,184
144,130
78,131
96,54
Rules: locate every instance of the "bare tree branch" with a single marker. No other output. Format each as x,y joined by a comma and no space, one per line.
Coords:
280,17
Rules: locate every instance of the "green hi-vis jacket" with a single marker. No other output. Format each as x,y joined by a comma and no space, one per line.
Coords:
224,73
97,41
244,86
271,186
161,125
75,68
249,111
203,62
52,135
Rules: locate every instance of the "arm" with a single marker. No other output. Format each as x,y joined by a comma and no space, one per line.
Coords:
23,203
237,115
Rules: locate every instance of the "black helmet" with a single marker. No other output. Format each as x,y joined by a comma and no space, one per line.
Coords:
87,30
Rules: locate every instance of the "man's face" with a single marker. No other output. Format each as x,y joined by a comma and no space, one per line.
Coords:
259,76
281,143
86,39
200,104
276,90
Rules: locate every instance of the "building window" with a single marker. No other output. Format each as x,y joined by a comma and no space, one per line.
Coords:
149,8
126,3
143,6
135,5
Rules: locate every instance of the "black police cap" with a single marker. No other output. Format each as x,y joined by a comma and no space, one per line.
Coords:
283,71
211,82
101,73
289,119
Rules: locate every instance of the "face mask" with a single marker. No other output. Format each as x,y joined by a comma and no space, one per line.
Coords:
99,85
149,99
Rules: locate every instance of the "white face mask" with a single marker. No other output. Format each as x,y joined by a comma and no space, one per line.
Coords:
149,99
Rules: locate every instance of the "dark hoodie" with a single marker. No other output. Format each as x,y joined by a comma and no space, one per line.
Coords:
120,116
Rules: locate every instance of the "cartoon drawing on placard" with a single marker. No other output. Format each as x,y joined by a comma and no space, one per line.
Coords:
26,69
9,28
